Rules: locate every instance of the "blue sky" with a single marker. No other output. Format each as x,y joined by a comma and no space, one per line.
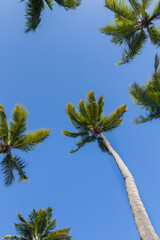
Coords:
62,61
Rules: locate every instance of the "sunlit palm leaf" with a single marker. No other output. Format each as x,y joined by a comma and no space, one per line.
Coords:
83,141
13,237
61,234
156,9
154,34
18,123
31,140
121,9
136,6
69,4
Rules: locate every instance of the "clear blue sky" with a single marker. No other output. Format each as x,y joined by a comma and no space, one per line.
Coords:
61,62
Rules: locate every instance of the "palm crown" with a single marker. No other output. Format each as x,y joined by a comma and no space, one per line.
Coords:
132,26
13,136
39,227
89,121
34,9
148,96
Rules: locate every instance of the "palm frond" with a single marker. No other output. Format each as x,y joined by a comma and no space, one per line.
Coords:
136,6
100,103
154,34
19,166
7,167
82,109
144,5
156,63
74,134
13,237
112,121
69,4
3,125
82,142
102,145
18,123
147,118
156,9
121,9
76,118
34,9
134,47
92,108
49,3
31,140
61,234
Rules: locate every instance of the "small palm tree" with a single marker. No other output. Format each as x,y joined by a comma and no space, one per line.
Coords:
34,9
13,136
132,26
90,125
39,227
148,96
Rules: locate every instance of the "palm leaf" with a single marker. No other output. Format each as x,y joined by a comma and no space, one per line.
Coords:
3,125
69,4
136,6
31,140
154,34
121,9
49,3
144,5
34,10
100,103
61,234
13,237
92,108
112,121
82,142
7,166
18,123
82,108
102,145
134,47
156,9
74,134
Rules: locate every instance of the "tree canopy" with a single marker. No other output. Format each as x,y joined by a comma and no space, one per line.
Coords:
132,26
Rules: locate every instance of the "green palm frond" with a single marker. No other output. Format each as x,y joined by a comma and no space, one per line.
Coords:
148,96
90,113
154,34
10,164
121,9
102,145
18,123
76,118
61,234
69,4
13,237
92,108
49,3
144,5
83,141
112,121
134,47
34,9
156,9
31,140
3,125
136,6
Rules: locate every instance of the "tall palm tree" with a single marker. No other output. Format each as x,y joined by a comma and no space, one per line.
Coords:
90,125
35,8
148,96
39,227
13,136
132,26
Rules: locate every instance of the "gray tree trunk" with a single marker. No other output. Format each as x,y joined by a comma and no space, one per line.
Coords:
144,226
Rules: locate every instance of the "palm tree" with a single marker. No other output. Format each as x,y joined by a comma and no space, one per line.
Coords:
132,26
148,96
90,125
35,8
13,136
39,227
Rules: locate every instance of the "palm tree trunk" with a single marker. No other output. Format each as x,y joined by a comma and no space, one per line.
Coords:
144,226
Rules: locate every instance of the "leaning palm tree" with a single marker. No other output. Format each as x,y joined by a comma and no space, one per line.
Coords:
39,227
90,125
132,26
35,8
13,137
148,96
